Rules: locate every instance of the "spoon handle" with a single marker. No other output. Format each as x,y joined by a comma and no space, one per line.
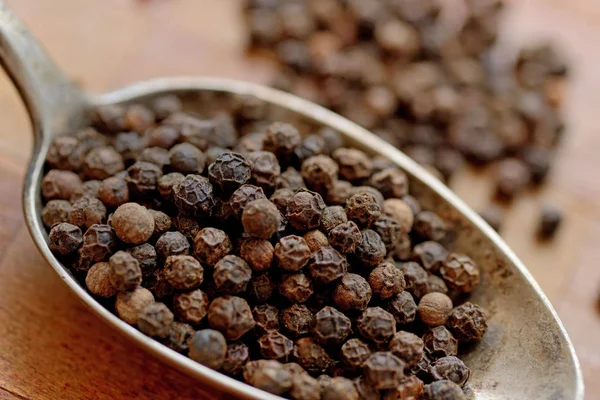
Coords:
53,101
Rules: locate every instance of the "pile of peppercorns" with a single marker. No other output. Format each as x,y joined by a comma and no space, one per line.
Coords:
290,261
423,75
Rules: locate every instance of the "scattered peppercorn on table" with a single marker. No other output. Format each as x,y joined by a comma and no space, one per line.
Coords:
84,359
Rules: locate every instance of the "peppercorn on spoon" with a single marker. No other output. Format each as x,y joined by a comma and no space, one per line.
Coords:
526,352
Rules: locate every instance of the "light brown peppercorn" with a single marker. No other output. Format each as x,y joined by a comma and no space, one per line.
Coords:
236,357
55,211
391,182
315,239
139,118
60,185
408,347
430,226
450,368
371,249
333,216
443,390
292,253
403,308
98,282
312,357
434,309
125,271
86,212
354,353
172,244
467,322
377,325
339,387
266,317
354,165
179,335
129,304
167,183
439,342
231,315
363,209
102,162
261,218
460,273
210,245
65,239
155,320
327,265
401,212
258,253
304,210
352,293
113,192
133,223
231,275
319,173
275,346
162,222
305,387
383,370
296,320
163,136
183,272
297,288
268,375
208,347
386,280
191,307
345,237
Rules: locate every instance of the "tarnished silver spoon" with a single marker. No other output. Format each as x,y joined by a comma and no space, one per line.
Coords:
526,353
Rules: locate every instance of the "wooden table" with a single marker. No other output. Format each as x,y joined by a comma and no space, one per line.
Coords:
51,347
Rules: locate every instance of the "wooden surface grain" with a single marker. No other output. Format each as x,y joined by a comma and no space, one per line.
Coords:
51,347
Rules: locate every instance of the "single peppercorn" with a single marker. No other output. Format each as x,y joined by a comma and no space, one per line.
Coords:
258,253
354,165
65,239
297,288
183,272
434,309
430,226
114,192
165,105
305,387
281,139
163,136
186,159
55,211
265,168
450,368
86,212
157,156
330,326
261,218
389,230
371,249
439,342
363,209
327,265
266,317
345,237
268,375
162,222
460,273
365,390
236,357
102,162
208,347
130,304
408,347
467,322
290,179
383,370
292,253
229,171
275,346
352,293
231,275
311,145
354,353
410,387
296,320
415,278
155,320
231,315
312,357
377,325
99,243
431,255
60,185
139,118
333,216
98,280
443,390
142,178
189,227
179,335
315,239
493,215
172,244
191,307
129,145
133,223
304,210
403,308
64,154
401,212
340,192
261,287
512,176
211,245
386,280
244,195
549,221
167,183
194,196
391,182
125,271
281,197
319,173
339,387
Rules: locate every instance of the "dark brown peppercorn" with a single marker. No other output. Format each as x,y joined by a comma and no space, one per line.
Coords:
345,237
138,118
363,209
439,342
290,179
229,171
365,390
186,159
231,275
60,185
435,284
243,196
266,317
431,255
389,230
305,387
191,307
155,155
211,245
339,387
63,154
166,105
467,322
330,326
273,345
87,189
281,197
352,293
102,162
86,212
493,215
354,165
55,211
415,277
391,182
339,193
296,320
65,239
312,145
377,325
125,271
410,387
408,347
383,370
194,196
265,168
214,152
133,223
550,220
261,219
258,253
114,192
99,242
281,139
304,210
236,357
446,390
450,368
167,183
386,280
183,272
179,335
162,222
311,356
172,244
460,273
261,287
208,347
297,288
333,216
159,284
403,308
230,315
371,249
268,375
354,353
320,173
434,309
189,227
412,203
129,145
292,253
163,136
142,177
430,226
155,320
327,265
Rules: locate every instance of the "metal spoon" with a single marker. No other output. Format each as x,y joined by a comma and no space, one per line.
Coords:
526,353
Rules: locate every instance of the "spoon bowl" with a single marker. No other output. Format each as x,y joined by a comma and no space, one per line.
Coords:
526,352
